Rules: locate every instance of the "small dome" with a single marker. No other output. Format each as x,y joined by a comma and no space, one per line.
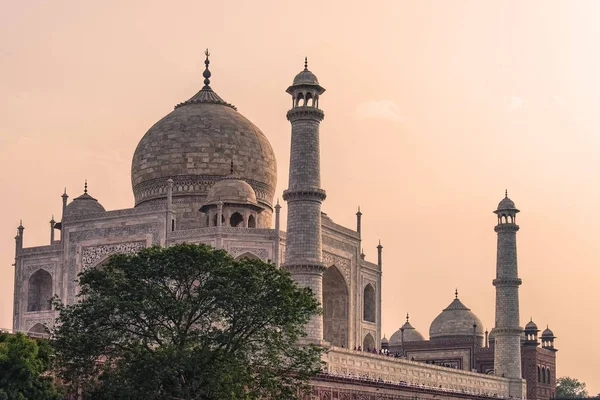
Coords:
83,205
506,203
547,333
233,191
410,335
492,336
306,78
454,321
384,340
531,326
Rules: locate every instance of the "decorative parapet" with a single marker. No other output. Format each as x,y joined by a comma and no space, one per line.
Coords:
214,230
52,248
116,213
345,362
327,222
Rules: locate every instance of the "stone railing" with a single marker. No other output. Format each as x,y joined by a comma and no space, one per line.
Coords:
344,362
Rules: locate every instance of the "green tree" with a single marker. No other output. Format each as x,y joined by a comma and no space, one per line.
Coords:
186,322
23,363
570,387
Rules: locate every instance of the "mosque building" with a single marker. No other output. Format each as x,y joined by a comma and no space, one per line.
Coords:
206,174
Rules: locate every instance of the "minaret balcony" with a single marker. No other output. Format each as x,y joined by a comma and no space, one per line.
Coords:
305,112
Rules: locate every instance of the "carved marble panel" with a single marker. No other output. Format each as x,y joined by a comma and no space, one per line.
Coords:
343,264
30,269
92,255
263,254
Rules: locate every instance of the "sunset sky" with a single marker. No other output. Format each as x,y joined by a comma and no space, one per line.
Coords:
432,110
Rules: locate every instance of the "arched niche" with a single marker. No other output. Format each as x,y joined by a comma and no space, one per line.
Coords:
335,307
369,303
248,256
368,342
39,291
38,330
251,221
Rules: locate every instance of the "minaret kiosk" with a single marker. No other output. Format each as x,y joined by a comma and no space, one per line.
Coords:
303,253
507,351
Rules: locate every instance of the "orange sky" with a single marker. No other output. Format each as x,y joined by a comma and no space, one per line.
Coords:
432,109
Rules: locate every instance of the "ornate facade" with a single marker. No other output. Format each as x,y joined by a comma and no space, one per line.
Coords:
206,174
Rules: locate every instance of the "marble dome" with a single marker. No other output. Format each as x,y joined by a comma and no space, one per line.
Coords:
83,205
455,321
410,335
195,144
231,191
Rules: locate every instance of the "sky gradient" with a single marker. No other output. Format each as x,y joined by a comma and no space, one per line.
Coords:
432,110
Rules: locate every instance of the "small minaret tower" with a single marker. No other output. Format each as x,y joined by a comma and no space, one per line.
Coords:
507,332
303,255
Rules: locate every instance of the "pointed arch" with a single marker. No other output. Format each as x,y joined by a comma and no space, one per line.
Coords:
38,330
543,375
39,291
369,303
236,219
368,342
251,221
335,307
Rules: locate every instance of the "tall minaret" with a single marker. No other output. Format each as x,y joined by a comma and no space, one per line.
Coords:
507,352
303,256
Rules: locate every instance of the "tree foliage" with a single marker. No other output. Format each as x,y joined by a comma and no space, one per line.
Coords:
23,363
570,387
186,322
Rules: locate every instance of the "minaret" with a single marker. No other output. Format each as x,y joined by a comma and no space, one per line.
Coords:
277,232
507,333
303,255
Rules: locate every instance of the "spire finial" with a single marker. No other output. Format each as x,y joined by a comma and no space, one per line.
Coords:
206,73
306,63
505,192
85,187
456,293
231,168
406,317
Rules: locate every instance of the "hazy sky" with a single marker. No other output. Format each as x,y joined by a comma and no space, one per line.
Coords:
432,110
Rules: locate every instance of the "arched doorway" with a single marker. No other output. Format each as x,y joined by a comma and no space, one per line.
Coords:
369,303
335,307
368,343
39,291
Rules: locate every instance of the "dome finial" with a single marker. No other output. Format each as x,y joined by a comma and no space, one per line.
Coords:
406,317
306,63
85,187
505,192
206,73
231,168
456,293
